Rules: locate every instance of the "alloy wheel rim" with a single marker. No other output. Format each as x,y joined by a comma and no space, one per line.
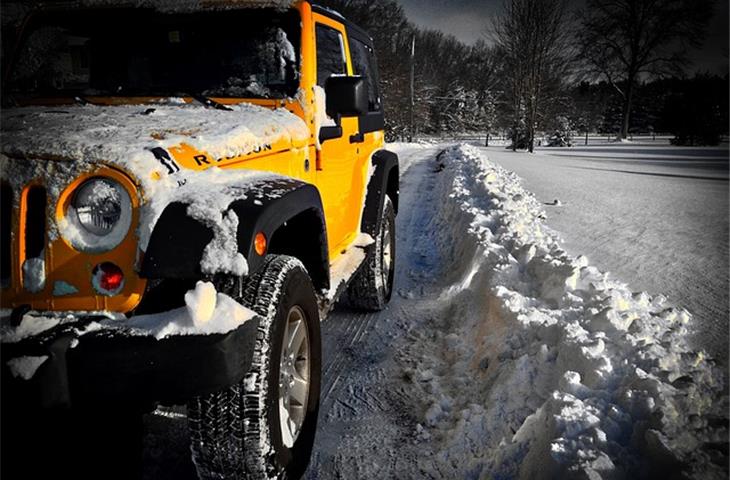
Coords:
294,376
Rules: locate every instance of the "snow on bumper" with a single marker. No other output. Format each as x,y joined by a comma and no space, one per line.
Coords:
79,360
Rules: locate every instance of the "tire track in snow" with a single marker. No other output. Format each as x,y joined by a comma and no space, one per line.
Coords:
350,328
347,330
365,412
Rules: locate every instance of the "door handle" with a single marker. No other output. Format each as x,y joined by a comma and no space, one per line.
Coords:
357,138
329,133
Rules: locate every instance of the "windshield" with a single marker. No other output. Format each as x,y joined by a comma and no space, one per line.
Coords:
243,53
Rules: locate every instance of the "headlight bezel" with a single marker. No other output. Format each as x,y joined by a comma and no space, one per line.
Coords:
77,235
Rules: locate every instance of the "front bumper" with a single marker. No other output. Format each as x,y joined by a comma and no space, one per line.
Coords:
87,366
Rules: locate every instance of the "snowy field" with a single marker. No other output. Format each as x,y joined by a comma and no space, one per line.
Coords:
501,354
656,217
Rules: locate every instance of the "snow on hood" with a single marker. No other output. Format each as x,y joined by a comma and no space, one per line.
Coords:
124,135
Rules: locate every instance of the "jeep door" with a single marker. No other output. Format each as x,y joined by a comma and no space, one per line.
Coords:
342,172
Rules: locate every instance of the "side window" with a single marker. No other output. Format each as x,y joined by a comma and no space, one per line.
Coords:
363,63
331,58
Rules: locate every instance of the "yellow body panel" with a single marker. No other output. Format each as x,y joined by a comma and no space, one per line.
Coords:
339,170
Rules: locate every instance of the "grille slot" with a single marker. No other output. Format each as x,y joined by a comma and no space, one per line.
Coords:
6,215
35,222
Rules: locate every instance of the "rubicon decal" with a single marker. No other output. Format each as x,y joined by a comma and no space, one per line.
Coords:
203,159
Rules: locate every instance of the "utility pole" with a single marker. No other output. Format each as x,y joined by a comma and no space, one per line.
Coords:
411,133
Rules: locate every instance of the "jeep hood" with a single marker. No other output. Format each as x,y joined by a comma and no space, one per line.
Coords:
139,139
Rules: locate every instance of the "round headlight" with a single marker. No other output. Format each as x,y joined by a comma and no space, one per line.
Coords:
98,205
99,215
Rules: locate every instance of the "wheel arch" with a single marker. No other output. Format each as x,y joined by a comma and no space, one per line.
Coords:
287,211
304,237
385,180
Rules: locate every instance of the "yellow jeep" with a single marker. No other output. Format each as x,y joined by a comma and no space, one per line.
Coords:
185,193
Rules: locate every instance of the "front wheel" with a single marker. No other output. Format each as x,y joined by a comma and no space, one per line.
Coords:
372,288
265,426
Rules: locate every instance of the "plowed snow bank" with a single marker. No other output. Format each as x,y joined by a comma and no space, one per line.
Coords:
547,366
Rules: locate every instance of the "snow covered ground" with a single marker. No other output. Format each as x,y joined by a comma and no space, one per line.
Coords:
500,356
656,217
503,356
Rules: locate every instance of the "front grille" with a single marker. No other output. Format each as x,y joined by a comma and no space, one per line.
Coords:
6,214
35,222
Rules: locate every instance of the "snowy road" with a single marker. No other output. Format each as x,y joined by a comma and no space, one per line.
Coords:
654,216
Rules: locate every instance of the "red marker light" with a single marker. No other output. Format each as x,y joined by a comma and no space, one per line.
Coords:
107,278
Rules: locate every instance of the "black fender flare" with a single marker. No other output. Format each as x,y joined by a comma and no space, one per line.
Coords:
269,205
385,180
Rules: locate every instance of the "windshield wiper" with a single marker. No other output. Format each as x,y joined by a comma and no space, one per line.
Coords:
209,102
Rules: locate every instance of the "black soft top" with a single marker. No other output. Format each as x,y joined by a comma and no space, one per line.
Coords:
352,29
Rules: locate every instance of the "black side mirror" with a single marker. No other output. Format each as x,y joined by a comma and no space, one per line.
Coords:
346,96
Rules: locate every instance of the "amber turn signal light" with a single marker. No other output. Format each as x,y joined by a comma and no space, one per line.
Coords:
260,244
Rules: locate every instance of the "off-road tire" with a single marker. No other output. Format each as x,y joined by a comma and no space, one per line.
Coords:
236,433
372,288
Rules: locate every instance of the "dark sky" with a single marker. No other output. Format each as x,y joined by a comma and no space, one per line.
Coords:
468,19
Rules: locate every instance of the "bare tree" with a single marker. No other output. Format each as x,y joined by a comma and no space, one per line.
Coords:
622,40
533,39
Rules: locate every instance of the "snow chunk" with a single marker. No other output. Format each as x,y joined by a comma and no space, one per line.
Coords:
29,326
201,303
206,312
61,288
34,274
321,119
347,264
221,255
25,367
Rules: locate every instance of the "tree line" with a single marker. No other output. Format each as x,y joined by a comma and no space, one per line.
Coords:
613,66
